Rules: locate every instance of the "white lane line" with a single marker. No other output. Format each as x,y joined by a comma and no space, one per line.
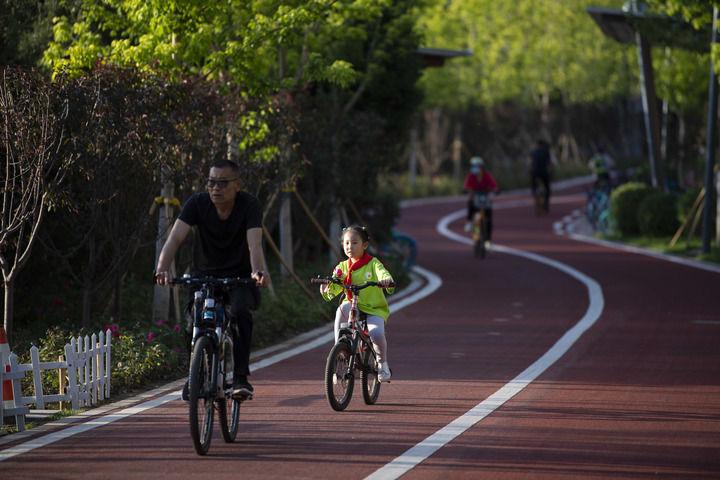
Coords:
417,454
433,282
84,427
641,251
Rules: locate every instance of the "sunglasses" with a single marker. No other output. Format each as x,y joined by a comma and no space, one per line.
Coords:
221,184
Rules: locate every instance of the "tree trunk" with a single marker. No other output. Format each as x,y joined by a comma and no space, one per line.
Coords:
412,167
286,244
681,151
9,286
717,207
457,152
334,233
161,295
88,283
86,305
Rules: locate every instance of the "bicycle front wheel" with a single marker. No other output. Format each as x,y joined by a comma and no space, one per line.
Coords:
369,378
228,407
479,240
202,395
339,380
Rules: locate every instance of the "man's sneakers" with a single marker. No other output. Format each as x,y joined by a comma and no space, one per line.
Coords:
242,390
384,373
186,392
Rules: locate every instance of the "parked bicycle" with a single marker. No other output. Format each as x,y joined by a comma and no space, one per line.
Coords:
480,227
211,364
352,353
597,208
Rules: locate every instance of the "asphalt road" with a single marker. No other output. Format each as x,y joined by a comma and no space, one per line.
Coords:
551,358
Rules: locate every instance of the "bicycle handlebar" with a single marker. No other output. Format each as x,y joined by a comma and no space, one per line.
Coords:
337,281
222,281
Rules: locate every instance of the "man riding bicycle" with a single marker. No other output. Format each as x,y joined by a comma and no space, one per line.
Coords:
228,222
479,181
540,164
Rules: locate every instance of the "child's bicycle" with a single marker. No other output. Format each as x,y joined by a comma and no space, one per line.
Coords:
211,365
479,230
353,352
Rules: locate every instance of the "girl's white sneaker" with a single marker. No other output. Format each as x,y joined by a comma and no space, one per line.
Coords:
384,373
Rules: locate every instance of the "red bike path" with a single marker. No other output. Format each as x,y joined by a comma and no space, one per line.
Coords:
636,396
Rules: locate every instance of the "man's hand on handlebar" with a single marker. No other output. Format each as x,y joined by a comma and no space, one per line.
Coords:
161,278
260,278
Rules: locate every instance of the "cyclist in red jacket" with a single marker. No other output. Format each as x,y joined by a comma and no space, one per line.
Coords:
479,180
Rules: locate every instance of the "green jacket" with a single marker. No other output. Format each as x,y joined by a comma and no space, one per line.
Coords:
372,299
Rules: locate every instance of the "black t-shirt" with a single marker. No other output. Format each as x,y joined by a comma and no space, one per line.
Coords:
540,164
223,243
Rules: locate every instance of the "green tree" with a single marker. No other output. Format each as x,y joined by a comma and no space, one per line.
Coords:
525,51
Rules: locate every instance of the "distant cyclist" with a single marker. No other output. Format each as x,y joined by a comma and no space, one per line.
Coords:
540,166
479,181
601,165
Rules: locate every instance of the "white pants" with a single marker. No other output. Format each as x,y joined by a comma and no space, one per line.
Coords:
376,329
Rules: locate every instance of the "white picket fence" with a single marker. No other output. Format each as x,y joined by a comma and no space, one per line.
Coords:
84,373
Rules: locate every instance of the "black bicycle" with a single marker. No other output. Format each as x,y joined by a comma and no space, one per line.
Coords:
210,382
353,352
480,226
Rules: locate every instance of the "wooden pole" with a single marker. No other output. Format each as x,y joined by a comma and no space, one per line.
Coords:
331,244
690,216
276,250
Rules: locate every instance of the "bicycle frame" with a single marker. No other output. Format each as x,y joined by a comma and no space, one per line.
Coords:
356,332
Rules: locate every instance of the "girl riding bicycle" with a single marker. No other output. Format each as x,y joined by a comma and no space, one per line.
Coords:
360,267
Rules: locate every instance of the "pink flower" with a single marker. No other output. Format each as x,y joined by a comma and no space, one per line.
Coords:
150,337
114,329
177,328
160,323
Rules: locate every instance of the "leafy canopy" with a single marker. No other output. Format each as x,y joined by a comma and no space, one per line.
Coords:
525,50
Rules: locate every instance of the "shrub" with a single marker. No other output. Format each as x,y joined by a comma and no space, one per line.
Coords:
138,360
624,203
657,214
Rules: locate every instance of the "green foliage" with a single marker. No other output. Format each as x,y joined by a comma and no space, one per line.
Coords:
292,312
526,51
139,359
438,185
624,204
26,29
657,214
50,348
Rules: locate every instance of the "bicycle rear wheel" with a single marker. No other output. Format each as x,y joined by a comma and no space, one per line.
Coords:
202,395
229,413
339,380
369,378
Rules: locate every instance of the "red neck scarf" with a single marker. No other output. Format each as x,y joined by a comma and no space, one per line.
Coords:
356,265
